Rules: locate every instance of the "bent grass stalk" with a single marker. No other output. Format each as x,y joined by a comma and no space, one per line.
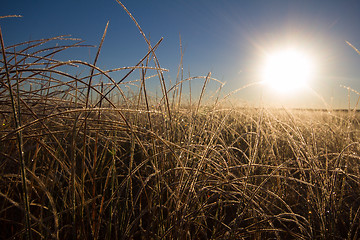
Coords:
16,113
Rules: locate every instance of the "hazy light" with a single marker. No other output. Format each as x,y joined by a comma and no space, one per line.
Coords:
287,70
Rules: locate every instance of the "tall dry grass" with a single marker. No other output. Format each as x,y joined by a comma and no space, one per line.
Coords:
82,158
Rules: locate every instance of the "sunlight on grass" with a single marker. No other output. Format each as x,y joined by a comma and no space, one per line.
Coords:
88,156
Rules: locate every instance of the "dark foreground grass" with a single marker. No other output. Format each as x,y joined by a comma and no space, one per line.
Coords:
87,156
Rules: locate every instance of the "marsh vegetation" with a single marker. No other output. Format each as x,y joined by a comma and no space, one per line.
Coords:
88,156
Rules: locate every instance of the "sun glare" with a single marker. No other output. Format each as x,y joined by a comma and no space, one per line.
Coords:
287,70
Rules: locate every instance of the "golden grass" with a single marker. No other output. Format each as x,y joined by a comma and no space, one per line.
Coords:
82,159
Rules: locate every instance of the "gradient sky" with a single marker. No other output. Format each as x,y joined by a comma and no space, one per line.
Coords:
228,38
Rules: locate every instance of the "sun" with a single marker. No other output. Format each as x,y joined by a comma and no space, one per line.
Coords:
287,70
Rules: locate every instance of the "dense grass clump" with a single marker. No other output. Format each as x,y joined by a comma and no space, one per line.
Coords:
87,156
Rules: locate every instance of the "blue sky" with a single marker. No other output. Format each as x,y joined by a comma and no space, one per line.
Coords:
228,38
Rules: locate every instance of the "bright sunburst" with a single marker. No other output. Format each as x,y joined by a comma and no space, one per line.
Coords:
287,70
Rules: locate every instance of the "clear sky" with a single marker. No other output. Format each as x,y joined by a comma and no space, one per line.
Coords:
227,37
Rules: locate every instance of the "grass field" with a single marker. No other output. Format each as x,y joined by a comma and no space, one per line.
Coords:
87,156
